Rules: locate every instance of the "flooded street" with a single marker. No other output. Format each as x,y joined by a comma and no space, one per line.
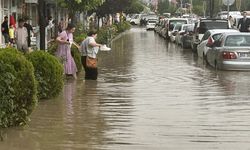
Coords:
150,95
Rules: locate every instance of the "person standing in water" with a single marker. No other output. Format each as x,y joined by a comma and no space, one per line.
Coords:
65,40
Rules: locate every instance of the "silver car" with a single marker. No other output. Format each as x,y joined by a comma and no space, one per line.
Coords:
230,52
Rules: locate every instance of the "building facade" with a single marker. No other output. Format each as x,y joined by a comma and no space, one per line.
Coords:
29,8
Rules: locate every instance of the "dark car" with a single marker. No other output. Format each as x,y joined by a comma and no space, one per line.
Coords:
203,25
184,37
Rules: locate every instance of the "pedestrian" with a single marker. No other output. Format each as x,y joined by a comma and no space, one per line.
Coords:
5,31
231,21
244,23
12,34
65,40
29,30
21,36
89,48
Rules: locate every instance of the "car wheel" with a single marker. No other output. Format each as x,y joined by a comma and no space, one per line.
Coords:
194,48
215,65
204,58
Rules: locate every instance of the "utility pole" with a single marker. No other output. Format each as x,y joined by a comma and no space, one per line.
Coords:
191,7
211,8
42,22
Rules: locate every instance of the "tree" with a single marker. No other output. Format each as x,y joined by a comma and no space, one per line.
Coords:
42,23
163,6
134,8
75,6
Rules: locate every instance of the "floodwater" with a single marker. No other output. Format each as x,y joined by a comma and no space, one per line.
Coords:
150,95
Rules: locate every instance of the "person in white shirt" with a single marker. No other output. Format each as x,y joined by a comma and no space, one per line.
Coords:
89,48
21,36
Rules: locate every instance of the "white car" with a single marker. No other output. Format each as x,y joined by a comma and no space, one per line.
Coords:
151,24
209,37
173,33
136,19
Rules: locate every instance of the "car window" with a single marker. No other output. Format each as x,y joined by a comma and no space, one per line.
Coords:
204,26
216,36
151,21
172,23
237,40
206,36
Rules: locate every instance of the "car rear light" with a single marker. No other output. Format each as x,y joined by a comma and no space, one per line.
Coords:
229,55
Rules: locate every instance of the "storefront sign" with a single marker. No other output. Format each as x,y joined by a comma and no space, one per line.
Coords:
31,1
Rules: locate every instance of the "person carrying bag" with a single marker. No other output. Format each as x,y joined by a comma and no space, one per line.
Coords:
89,49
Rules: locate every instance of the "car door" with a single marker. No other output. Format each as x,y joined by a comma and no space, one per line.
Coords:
202,45
215,52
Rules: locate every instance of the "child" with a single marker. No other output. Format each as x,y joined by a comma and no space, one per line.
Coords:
12,34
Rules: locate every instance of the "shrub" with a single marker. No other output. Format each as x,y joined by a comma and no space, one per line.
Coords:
105,34
48,73
52,47
123,26
18,90
77,57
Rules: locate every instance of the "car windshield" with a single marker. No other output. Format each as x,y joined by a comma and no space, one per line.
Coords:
151,21
172,23
204,26
237,40
188,28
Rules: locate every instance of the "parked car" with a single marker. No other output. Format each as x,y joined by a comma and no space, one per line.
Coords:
172,22
230,52
151,24
207,24
135,20
173,33
159,25
209,37
163,31
183,37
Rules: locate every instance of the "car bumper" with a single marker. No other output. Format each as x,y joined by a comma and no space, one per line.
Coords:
150,27
235,65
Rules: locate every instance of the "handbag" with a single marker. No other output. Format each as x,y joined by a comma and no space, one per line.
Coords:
91,62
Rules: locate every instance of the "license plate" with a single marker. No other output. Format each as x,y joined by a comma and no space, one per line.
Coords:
244,55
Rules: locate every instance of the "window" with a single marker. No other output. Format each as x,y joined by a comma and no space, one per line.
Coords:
237,40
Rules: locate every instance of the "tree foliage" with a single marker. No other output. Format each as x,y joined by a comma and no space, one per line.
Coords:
80,5
113,6
163,6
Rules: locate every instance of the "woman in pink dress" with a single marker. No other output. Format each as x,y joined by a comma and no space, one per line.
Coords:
65,40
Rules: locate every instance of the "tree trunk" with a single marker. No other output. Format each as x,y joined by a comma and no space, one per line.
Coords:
42,23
